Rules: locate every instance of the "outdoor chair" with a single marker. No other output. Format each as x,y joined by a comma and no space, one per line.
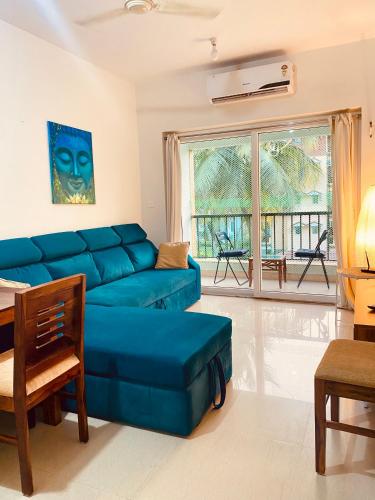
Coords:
227,251
311,254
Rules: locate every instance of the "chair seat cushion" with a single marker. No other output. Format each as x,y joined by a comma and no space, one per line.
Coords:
18,252
82,263
35,383
350,362
100,238
58,245
141,289
143,255
34,274
112,264
153,347
233,253
307,253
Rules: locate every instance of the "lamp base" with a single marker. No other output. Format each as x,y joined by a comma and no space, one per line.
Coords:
369,271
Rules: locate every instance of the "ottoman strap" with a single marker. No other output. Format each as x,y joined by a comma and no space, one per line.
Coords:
215,365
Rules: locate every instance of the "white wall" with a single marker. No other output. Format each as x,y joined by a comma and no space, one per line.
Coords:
41,82
327,79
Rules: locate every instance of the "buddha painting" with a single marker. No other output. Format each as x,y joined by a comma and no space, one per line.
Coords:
71,165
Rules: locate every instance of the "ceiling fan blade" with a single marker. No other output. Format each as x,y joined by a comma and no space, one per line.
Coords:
185,9
101,18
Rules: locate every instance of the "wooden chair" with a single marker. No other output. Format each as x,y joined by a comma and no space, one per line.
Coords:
347,370
47,354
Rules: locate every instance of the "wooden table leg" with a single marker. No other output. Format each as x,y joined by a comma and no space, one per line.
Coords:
280,270
52,410
250,271
284,268
31,418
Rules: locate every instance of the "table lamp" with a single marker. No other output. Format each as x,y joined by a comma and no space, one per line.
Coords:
365,238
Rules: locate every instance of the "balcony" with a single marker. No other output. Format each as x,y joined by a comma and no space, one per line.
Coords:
282,234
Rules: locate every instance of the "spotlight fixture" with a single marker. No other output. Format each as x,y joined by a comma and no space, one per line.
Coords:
214,51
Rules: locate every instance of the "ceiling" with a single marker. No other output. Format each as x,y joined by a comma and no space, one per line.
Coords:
144,46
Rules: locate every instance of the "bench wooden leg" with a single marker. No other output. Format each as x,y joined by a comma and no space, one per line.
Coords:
31,418
320,426
22,432
52,410
81,410
335,408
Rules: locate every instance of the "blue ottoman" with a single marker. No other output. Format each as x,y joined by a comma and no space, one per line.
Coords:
153,368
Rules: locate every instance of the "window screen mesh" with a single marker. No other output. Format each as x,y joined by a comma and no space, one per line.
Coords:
221,198
295,191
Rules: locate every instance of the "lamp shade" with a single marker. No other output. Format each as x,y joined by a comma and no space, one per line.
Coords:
365,237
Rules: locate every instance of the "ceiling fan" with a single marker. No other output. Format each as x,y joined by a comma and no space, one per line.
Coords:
158,6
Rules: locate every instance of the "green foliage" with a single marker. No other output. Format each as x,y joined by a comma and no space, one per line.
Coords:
222,177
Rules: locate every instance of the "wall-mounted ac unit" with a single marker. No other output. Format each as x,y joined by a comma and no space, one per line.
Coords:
274,79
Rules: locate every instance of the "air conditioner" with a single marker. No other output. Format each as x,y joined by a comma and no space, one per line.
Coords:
274,79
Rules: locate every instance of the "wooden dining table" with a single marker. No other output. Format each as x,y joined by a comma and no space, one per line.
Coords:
52,405
7,297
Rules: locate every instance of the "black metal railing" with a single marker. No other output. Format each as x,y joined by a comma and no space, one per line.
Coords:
282,233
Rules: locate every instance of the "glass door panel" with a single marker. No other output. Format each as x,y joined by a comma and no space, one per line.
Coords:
217,208
295,191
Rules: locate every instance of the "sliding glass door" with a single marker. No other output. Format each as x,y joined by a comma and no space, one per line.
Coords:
295,191
257,208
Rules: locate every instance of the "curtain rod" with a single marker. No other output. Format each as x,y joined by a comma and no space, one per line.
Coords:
268,123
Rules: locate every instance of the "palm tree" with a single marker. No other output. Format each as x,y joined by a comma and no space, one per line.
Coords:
223,177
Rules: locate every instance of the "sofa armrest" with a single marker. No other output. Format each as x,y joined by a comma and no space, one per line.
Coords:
194,265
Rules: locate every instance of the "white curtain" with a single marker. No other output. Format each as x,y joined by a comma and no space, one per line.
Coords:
346,150
172,179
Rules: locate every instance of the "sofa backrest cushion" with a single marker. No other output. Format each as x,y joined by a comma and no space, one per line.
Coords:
100,238
57,245
130,233
18,252
83,263
34,274
143,255
113,264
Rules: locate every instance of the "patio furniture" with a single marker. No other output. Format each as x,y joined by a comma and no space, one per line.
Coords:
271,262
347,370
227,251
311,254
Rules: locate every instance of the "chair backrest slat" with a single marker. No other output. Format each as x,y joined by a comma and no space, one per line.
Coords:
48,324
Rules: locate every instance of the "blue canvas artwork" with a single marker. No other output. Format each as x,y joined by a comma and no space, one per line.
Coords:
71,165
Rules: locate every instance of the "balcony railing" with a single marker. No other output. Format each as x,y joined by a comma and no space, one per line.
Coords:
282,233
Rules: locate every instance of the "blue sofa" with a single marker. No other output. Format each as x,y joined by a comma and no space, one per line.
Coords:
147,363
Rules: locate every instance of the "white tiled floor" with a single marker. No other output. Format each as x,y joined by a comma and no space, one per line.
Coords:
259,446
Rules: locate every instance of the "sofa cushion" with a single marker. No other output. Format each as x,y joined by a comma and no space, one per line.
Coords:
152,347
173,255
100,238
74,265
141,289
130,233
113,264
34,274
18,252
57,245
143,255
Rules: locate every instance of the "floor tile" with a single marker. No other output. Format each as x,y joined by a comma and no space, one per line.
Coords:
259,446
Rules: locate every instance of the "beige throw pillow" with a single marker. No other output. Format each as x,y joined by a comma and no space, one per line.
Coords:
173,256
